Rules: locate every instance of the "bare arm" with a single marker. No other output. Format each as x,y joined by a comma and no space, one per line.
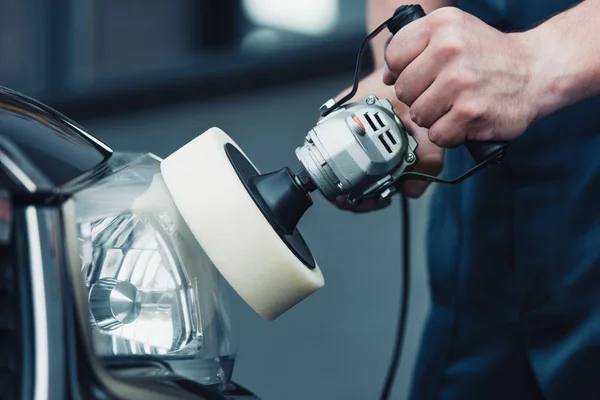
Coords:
567,63
464,79
380,10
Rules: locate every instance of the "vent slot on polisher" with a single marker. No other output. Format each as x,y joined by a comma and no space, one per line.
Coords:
385,144
379,120
370,121
391,137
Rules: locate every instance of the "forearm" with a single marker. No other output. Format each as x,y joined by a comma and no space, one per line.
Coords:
380,10
566,53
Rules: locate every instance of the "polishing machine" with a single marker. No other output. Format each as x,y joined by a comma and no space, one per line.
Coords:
247,221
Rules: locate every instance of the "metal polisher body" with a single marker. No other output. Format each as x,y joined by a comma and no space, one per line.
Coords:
357,151
246,221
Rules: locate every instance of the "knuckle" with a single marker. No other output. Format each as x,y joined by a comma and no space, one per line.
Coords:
451,46
392,58
389,57
439,138
416,116
434,136
455,81
471,111
451,13
403,91
444,16
423,114
460,80
398,91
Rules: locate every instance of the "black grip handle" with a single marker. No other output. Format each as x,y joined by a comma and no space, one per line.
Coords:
483,151
403,16
480,151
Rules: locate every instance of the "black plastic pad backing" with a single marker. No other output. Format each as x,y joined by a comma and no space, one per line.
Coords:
247,173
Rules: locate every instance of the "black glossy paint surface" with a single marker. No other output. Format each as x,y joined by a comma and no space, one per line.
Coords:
45,139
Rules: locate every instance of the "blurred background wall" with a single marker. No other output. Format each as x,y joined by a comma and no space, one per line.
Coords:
149,75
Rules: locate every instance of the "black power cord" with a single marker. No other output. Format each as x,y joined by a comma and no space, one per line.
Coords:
401,329
483,153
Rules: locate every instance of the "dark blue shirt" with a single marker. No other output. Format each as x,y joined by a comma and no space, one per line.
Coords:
514,255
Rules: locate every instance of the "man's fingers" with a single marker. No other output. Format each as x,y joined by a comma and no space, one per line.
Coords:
389,78
416,77
364,206
403,113
433,104
431,156
406,45
448,131
414,189
431,162
368,205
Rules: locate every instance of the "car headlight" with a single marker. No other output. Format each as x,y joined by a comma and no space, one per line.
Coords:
104,292
151,288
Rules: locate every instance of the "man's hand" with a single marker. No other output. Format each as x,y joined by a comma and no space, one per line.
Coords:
431,157
463,79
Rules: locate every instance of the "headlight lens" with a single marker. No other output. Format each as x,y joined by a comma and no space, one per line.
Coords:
152,290
141,300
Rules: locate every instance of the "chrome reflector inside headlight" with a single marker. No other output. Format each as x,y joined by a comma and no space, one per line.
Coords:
151,288
140,296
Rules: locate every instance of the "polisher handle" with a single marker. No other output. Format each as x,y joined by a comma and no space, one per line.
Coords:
479,151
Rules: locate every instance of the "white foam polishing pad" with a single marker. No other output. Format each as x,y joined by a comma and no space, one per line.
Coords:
259,263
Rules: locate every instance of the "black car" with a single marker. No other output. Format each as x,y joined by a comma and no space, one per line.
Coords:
104,293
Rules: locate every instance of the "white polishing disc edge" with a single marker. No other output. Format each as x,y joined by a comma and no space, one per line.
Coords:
234,233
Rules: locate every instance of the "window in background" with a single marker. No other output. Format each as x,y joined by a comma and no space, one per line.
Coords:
67,49
21,50
283,24
308,17
110,39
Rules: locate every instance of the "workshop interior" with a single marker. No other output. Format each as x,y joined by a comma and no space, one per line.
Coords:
143,253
